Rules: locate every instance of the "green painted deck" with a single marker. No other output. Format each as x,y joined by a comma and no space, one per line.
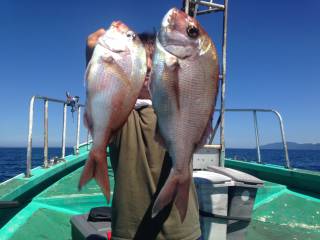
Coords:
48,215
22,190
279,212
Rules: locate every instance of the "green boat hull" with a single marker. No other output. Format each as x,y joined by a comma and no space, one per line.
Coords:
43,205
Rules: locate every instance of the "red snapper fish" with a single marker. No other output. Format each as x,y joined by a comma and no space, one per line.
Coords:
114,78
184,86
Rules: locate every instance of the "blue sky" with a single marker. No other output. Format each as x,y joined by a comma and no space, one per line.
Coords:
272,62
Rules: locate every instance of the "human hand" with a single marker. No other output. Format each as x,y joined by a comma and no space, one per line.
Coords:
144,93
92,41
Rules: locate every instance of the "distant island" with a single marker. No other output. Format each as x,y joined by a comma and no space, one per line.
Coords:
292,146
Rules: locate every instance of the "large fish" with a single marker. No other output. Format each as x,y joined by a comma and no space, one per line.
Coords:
114,78
184,86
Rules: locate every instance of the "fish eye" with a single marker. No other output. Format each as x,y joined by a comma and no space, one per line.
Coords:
192,31
131,35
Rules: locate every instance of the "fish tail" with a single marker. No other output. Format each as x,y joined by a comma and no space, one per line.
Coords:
176,188
96,167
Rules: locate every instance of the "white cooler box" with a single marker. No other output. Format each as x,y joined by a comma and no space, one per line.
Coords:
212,191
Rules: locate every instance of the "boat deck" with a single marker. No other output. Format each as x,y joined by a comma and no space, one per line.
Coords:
49,213
279,213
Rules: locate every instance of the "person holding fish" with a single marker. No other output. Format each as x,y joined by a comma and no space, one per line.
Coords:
154,196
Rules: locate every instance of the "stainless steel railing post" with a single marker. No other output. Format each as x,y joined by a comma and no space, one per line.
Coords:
29,149
63,150
186,8
284,142
210,4
223,82
45,149
285,147
78,130
88,139
257,135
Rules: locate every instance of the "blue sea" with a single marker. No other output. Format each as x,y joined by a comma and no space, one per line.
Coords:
305,159
13,160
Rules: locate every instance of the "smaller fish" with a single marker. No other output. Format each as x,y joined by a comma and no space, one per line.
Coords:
114,78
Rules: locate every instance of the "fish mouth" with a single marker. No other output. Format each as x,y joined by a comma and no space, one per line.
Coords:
177,44
178,20
115,39
178,31
175,38
168,18
113,42
110,48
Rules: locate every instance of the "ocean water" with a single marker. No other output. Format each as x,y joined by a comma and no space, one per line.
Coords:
305,159
13,160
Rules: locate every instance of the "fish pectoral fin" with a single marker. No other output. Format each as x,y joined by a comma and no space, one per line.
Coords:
176,188
96,167
107,58
115,69
172,62
171,77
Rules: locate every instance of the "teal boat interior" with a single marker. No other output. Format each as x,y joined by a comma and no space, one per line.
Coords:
43,204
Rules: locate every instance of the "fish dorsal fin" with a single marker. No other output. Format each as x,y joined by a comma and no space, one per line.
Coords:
113,67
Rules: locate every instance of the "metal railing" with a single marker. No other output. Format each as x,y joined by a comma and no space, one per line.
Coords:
45,149
257,136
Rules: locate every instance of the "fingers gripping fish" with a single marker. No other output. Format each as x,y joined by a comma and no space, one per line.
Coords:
114,78
184,86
